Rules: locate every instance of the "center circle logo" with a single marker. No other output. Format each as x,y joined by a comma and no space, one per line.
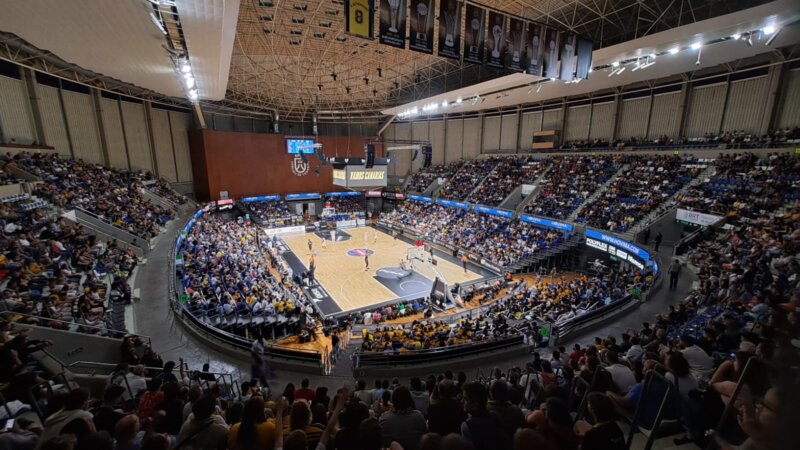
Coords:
360,252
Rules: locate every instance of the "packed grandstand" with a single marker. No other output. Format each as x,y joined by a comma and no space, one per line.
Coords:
272,225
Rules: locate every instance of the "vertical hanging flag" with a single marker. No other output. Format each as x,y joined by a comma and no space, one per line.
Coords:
421,20
584,59
533,57
517,41
567,57
360,18
496,41
474,34
450,28
392,29
551,54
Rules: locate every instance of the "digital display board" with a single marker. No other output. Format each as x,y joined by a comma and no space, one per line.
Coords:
546,223
293,146
262,198
494,212
309,196
359,176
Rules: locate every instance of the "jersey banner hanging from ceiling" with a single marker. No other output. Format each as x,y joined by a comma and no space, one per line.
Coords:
517,41
496,41
421,19
392,29
450,28
551,54
359,17
567,57
533,56
584,59
474,34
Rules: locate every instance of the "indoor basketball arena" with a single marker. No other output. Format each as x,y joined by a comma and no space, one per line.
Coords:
399,224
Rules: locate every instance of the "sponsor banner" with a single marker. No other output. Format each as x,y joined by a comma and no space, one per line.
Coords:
450,28
550,53
308,196
517,40
535,48
633,249
394,196
696,218
361,177
491,266
343,194
494,212
567,57
419,198
474,34
392,26
361,222
359,19
285,230
547,223
374,194
584,63
421,24
496,40
346,224
452,204
262,198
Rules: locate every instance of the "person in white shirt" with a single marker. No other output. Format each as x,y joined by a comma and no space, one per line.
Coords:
621,374
700,363
636,352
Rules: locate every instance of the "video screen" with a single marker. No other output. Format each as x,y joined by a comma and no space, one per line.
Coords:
293,146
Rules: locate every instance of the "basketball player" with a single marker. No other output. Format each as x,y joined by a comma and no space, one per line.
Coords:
366,262
464,260
310,245
333,236
324,244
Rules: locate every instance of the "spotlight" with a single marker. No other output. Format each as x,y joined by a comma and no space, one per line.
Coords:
696,46
189,82
674,50
613,64
193,94
458,101
186,68
444,104
591,69
736,36
553,79
772,38
530,90
622,69
769,29
539,88
697,63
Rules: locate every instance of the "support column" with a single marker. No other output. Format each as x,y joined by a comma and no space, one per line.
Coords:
101,126
725,104
33,101
66,122
124,134
685,88
774,104
519,129
563,130
148,119
615,116
480,135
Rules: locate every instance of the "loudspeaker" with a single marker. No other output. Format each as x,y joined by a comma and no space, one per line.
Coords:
427,153
320,155
369,152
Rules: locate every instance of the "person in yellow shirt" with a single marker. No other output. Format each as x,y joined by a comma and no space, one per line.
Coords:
254,432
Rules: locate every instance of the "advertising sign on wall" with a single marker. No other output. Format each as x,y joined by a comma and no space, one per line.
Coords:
696,218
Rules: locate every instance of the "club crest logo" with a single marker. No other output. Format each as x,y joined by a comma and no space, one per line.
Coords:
360,252
299,166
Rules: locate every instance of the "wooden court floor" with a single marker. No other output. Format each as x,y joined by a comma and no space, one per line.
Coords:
344,277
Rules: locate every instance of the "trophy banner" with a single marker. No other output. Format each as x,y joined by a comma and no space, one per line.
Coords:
450,28
584,58
535,48
496,40
474,34
421,23
392,28
517,42
551,54
567,57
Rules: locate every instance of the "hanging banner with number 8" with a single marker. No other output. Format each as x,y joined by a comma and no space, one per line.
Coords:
360,17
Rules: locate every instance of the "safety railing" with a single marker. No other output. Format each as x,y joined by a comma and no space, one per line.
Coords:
69,326
379,359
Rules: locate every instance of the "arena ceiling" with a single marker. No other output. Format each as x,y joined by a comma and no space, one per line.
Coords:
293,56
262,57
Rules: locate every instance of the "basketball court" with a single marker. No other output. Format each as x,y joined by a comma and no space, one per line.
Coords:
344,283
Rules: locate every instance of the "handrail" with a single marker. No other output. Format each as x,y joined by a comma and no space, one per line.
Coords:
380,358
104,330
111,224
